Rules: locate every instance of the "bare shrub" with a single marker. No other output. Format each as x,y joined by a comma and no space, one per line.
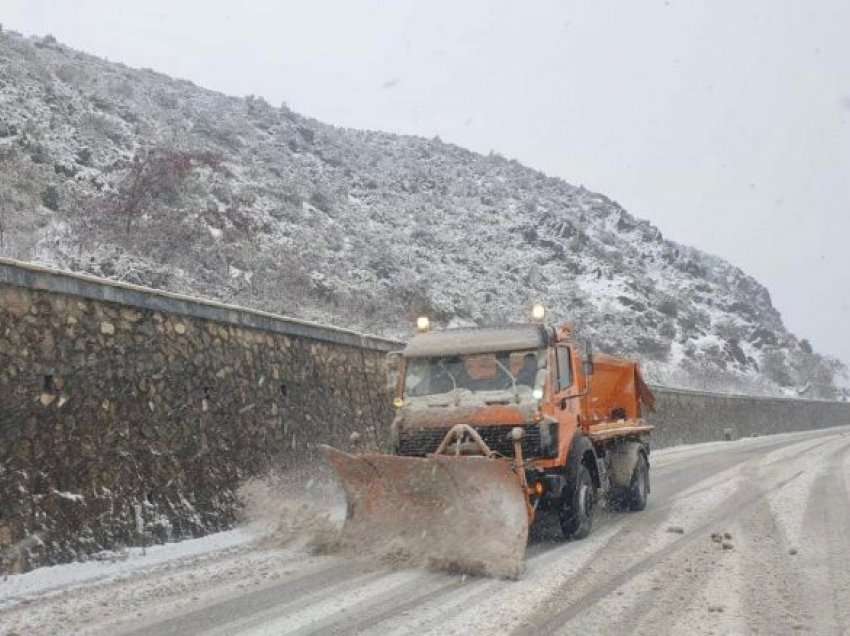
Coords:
156,176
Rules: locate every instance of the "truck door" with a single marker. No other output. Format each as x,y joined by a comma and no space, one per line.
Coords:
565,406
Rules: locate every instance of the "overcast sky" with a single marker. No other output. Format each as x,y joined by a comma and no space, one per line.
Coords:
725,123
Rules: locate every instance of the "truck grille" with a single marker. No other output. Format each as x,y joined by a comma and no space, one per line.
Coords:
420,442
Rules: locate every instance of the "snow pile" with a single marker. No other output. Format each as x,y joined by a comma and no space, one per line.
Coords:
294,509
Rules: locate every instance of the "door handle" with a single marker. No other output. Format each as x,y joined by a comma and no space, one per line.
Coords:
563,404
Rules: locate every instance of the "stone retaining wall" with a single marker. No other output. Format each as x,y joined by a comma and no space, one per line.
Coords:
122,406
689,417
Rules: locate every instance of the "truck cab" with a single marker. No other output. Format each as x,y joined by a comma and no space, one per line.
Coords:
574,418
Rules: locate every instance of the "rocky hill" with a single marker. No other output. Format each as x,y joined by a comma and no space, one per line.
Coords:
134,175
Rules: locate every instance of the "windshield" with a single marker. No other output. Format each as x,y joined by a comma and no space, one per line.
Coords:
480,372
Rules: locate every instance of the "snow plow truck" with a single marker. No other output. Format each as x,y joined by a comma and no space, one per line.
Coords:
496,428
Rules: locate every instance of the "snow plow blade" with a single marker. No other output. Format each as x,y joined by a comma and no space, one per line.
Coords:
461,514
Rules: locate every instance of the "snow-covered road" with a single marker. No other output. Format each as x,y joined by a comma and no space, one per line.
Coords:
779,562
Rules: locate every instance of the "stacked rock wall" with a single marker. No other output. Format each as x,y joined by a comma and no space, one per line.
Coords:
123,409
690,417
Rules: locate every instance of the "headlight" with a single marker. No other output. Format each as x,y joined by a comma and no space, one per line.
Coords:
537,394
423,324
538,312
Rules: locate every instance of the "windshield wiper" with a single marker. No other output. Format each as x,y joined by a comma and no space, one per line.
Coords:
454,392
511,376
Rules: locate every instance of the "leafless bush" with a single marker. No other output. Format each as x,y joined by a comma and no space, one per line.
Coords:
156,176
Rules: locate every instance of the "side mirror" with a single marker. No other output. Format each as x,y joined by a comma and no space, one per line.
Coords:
393,369
588,360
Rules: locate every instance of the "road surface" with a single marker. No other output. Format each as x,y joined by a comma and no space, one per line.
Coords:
779,562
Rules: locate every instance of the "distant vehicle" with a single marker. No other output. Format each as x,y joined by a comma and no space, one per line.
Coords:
495,428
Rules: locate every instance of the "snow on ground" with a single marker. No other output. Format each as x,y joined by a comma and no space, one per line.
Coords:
120,565
113,566
657,571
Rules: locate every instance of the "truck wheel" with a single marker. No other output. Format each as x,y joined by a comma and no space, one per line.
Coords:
577,507
639,489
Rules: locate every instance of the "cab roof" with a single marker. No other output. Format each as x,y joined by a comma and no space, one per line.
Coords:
476,340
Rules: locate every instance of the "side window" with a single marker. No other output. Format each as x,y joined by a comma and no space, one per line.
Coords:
565,375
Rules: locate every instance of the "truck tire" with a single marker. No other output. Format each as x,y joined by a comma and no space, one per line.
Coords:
638,491
577,506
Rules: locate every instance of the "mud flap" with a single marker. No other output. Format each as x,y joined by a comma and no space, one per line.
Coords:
462,514
623,459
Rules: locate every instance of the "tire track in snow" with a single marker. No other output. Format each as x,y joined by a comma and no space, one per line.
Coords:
680,575
171,585
596,583
707,584
636,606
779,595
772,587
440,592
826,526
312,617
487,605
376,610
649,561
316,582
710,577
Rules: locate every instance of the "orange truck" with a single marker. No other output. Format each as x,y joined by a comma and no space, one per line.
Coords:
496,429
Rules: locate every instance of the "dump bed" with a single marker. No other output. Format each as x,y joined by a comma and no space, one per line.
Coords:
617,391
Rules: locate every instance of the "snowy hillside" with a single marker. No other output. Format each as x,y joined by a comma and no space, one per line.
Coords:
134,175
